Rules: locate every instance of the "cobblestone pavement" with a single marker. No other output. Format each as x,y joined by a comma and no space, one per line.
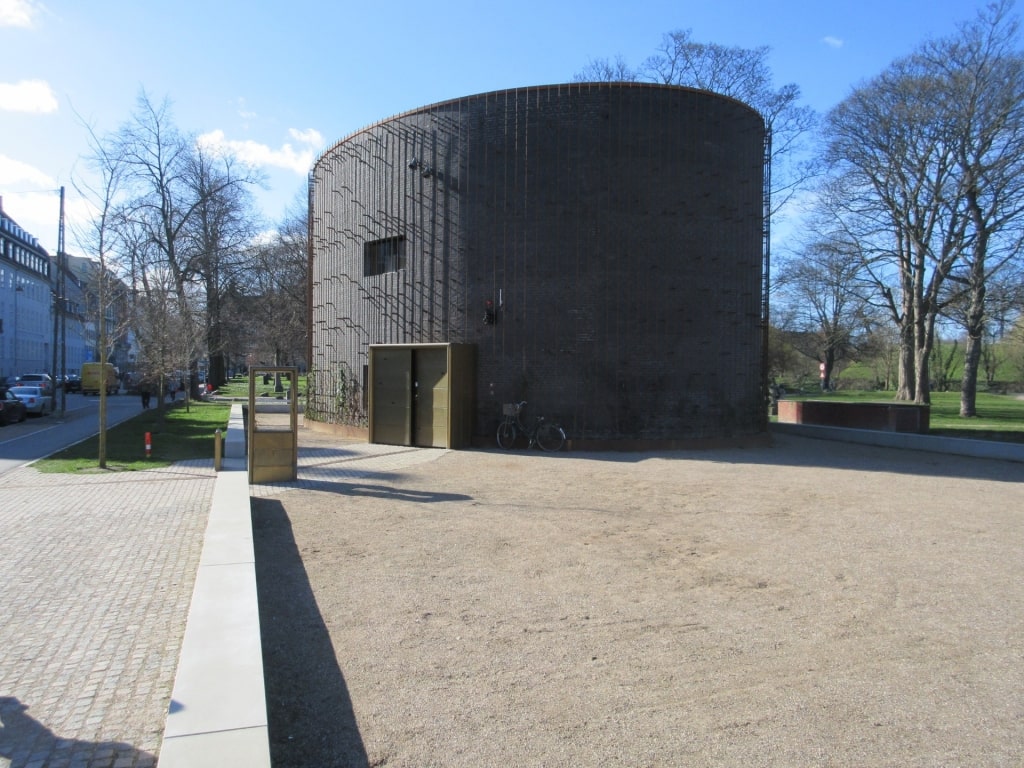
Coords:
96,577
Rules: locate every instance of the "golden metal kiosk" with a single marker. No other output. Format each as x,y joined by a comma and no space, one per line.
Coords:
273,424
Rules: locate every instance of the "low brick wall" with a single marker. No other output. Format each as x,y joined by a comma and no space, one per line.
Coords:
888,417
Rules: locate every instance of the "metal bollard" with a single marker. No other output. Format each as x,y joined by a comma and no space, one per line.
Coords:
217,450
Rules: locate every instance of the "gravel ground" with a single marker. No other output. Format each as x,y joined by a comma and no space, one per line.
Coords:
805,604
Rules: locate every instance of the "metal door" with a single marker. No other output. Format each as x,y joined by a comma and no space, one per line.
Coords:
392,396
430,397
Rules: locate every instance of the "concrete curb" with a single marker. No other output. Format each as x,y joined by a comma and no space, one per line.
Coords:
234,439
218,711
956,446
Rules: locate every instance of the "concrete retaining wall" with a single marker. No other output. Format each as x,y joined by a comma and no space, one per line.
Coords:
956,446
218,711
890,417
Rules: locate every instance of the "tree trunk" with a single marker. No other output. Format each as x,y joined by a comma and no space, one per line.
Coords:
195,386
830,364
922,355
907,381
972,354
969,382
923,390
218,370
975,311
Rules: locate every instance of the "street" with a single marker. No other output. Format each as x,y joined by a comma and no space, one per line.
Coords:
37,437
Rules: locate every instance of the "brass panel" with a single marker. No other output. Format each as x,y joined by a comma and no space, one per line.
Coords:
391,415
462,402
430,397
272,428
274,457
422,395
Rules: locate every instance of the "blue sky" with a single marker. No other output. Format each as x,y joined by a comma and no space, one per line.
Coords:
279,82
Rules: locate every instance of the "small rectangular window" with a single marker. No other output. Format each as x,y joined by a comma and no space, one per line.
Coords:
382,256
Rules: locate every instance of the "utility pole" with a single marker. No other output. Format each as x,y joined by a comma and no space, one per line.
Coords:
62,267
59,323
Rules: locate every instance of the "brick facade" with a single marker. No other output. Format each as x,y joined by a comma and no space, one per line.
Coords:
617,229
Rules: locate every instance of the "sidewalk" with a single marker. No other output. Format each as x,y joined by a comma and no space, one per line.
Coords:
97,575
96,581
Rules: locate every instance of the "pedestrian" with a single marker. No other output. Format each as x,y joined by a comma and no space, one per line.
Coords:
144,392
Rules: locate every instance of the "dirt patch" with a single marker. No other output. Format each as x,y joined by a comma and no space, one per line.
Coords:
808,603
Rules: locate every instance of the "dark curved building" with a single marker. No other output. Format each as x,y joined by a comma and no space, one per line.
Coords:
598,250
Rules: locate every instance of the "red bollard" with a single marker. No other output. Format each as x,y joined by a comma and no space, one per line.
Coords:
149,445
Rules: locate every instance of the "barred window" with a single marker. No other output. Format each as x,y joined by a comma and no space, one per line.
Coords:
382,256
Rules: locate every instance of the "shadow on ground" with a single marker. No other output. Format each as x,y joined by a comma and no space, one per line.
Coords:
27,743
788,450
311,720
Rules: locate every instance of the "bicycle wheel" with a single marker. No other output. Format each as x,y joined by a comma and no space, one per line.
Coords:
550,437
506,435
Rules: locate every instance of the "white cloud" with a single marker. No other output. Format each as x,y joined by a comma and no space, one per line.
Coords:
38,213
27,96
14,173
16,13
253,153
832,42
310,136
243,110
30,198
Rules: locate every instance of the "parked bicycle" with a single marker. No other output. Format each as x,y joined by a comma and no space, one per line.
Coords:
545,434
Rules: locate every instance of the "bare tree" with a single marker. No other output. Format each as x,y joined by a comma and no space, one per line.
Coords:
278,287
191,211
608,71
1014,341
158,165
741,73
219,232
926,161
984,77
783,358
99,239
880,350
945,357
891,193
820,286
168,338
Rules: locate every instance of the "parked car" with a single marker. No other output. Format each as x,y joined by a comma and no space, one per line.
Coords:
12,410
35,399
72,383
41,380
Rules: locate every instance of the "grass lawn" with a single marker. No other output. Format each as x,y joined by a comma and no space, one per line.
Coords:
237,388
184,434
188,434
1000,417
